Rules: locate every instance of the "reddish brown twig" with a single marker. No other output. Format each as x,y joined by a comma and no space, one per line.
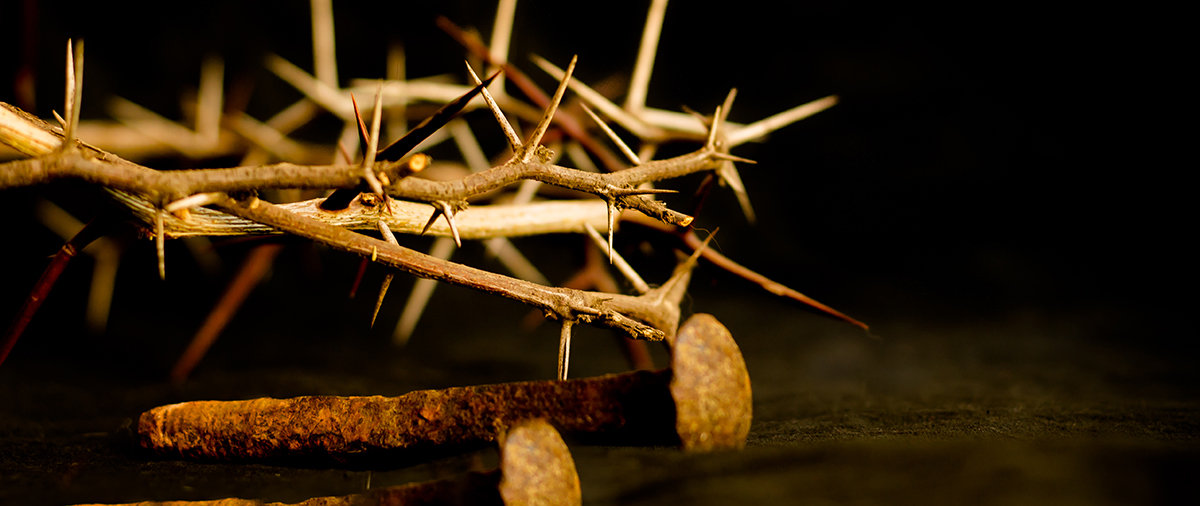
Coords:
766,283
92,231
689,238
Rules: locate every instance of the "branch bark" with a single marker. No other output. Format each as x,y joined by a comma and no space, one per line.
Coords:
475,222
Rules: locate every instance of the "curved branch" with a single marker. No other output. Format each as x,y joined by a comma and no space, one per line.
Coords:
651,316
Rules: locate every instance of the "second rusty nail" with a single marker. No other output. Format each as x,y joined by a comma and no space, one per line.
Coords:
535,468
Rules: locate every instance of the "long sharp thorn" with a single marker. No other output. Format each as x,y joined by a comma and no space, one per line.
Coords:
513,140
506,13
160,243
449,213
363,137
383,288
376,118
686,267
372,143
386,232
718,121
712,131
437,213
75,90
69,97
78,90
197,200
725,107
613,135
768,125
324,51
768,284
530,147
612,211
210,99
729,173
630,122
703,245
564,349
634,278
732,158
636,100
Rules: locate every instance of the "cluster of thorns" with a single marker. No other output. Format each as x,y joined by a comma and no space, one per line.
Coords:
384,193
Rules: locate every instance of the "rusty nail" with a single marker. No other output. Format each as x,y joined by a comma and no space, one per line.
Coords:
535,468
703,402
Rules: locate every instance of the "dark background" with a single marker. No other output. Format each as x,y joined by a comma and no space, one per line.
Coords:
987,195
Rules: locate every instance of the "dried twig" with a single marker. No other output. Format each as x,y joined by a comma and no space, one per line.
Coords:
58,263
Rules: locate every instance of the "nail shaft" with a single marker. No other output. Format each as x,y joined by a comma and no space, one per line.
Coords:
343,427
703,402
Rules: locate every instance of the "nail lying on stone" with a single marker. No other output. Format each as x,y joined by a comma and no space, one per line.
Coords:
535,468
702,402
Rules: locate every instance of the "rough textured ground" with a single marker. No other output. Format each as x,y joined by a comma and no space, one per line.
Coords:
1018,411
982,196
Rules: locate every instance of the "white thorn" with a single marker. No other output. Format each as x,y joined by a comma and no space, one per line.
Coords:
324,51
564,349
506,13
209,100
619,262
160,243
513,140
530,148
613,135
768,125
636,100
197,200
